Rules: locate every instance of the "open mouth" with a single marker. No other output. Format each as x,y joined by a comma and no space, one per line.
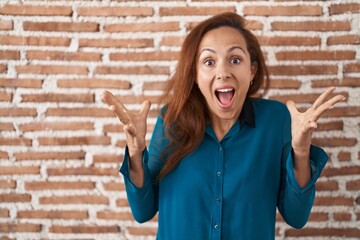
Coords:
225,96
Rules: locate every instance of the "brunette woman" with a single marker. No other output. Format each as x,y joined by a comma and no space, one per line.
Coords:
221,161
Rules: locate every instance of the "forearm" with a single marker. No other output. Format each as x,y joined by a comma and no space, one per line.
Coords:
302,170
136,169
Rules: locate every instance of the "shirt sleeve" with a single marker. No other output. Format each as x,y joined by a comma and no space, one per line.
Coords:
144,201
294,202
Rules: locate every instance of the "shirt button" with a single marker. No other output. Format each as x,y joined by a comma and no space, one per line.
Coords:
218,173
217,201
220,149
216,226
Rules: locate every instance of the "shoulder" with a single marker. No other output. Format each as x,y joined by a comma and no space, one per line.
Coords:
269,109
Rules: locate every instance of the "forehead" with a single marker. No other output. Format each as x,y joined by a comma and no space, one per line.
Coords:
222,37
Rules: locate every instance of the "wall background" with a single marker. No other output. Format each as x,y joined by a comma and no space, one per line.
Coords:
60,147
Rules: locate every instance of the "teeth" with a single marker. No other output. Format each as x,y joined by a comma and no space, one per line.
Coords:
225,90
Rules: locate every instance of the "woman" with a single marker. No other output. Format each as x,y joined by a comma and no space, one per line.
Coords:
219,161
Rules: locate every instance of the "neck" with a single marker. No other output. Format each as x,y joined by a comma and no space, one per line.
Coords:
221,127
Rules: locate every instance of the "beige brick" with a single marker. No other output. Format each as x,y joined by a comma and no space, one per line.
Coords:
56,126
142,27
322,26
145,56
7,184
35,10
9,54
117,43
34,41
6,24
80,199
19,227
79,112
17,112
87,140
63,56
188,11
84,229
61,26
16,141
115,11
93,83
20,83
15,197
139,70
19,170
51,69
57,185
40,214
298,10
82,171
5,97
31,155
54,97
289,41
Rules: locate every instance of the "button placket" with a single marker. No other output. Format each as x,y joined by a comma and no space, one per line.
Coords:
218,192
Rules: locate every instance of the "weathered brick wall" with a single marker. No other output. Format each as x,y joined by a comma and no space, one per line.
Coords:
60,147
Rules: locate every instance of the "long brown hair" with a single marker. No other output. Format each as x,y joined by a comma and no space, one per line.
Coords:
186,111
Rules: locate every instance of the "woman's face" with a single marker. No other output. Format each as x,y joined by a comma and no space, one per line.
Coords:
224,72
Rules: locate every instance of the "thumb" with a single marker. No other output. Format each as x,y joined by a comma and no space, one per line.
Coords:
145,108
291,106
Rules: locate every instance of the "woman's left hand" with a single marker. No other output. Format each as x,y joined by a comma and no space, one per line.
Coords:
303,123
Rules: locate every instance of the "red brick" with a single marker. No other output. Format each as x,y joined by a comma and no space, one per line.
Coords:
298,10
142,27
40,214
18,112
117,43
138,70
303,97
93,83
322,26
56,126
82,171
352,67
80,199
9,54
30,155
20,83
142,231
131,99
342,111
57,185
34,41
63,56
144,56
329,232
315,55
35,10
334,201
343,39
124,216
7,184
4,213
3,68
334,141
171,41
339,216
329,185
344,156
344,8
5,97
107,158
115,11
79,112
51,69
328,126
318,217
19,170
84,229
353,185
251,25
61,26
303,70
188,11
114,186
54,97
160,85
16,141
122,203
19,227
15,197
331,171
6,25
87,140
346,82
4,155
289,41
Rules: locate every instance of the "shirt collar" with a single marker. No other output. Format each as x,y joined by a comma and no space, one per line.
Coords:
247,114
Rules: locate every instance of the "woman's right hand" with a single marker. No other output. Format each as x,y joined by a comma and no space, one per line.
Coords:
134,126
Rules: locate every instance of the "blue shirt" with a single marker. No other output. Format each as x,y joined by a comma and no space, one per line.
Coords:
228,189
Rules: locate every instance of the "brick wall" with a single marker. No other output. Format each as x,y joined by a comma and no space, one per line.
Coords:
60,146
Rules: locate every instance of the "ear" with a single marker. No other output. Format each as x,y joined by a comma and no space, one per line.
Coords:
253,68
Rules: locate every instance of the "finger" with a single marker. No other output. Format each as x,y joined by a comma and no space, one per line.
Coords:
144,111
129,130
321,99
116,106
292,108
328,104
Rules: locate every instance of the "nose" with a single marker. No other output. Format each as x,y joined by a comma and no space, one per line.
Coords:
223,71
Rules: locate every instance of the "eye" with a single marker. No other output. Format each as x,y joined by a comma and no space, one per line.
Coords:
235,60
209,62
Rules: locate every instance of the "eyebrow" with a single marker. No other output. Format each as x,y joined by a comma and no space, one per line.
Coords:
229,50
